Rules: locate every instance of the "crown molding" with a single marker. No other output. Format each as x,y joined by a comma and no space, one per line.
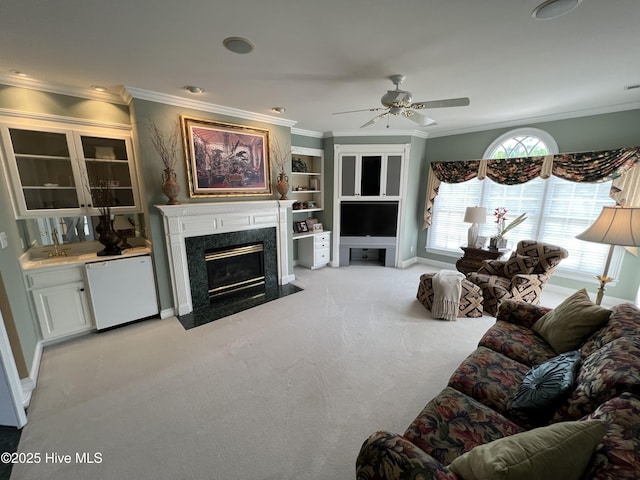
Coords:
306,133
141,94
45,117
521,122
377,133
33,84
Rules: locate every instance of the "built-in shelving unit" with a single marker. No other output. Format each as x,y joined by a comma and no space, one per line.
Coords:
307,179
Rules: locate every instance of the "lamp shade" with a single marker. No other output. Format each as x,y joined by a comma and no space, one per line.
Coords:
120,222
475,215
615,226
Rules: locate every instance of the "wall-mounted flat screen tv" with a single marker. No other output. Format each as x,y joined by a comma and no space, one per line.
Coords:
368,219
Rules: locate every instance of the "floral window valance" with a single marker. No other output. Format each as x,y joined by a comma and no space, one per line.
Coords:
588,167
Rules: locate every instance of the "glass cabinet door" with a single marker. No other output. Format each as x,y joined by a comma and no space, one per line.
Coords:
108,171
45,169
394,172
370,176
348,171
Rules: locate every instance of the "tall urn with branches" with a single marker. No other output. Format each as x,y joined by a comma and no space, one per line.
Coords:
280,158
166,149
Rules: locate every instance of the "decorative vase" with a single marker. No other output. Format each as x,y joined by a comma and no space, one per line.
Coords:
108,237
496,243
283,186
170,186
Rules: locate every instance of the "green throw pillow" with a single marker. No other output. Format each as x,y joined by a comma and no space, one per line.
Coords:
560,451
571,322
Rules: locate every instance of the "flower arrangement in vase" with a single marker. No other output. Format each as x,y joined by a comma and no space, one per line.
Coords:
499,240
166,149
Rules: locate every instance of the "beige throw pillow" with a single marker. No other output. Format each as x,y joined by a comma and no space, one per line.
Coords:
567,326
560,451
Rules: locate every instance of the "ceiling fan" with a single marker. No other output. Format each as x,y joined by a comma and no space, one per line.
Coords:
399,102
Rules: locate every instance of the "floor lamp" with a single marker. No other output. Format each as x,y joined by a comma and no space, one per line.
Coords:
614,226
475,216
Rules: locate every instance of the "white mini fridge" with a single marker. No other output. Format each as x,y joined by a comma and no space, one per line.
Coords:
122,290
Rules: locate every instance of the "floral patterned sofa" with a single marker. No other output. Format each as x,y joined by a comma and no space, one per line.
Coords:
473,412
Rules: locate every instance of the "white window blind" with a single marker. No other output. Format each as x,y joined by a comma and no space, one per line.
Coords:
557,210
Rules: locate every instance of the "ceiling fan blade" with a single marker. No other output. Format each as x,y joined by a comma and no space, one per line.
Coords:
363,110
448,102
375,119
420,119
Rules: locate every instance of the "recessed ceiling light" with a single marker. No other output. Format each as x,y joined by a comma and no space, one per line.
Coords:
18,73
194,89
554,8
238,45
278,109
99,88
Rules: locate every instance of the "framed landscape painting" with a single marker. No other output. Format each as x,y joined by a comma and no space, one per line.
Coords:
224,159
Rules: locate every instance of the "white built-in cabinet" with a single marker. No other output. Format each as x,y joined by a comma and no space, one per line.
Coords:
366,173
375,175
61,301
314,249
69,169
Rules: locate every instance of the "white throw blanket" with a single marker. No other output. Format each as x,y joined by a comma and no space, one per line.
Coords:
447,286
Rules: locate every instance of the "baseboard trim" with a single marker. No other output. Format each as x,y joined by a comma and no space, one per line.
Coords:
288,279
407,263
29,383
167,312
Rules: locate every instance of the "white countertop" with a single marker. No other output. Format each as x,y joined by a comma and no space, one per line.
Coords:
77,253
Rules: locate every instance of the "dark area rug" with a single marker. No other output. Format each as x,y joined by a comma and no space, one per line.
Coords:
228,306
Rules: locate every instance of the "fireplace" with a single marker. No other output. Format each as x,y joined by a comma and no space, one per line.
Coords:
193,228
236,264
235,271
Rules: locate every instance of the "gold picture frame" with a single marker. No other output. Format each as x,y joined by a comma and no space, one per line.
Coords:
225,159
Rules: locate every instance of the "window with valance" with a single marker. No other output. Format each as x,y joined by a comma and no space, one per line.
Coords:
561,193
602,166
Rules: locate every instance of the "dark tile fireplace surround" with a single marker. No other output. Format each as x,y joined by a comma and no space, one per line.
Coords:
205,310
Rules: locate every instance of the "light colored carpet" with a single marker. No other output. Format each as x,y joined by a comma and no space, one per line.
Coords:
286,390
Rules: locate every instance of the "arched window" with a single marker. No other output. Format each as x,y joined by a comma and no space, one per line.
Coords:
522,142
557,210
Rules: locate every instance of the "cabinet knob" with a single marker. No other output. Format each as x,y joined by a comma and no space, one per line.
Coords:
82,289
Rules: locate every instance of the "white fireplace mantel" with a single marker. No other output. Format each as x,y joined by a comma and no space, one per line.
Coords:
196,219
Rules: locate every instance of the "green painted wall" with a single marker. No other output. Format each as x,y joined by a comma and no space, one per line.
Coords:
151,167
596,132
307,142
16,99
37,102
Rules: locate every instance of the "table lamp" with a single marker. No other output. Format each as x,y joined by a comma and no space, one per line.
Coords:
474,216
615,226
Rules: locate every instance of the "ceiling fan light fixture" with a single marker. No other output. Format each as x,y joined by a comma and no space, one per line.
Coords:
99,88
554,8
238,45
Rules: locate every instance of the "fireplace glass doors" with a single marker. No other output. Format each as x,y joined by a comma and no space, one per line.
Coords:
235,270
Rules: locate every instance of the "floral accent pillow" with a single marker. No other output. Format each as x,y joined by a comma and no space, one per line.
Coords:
519,264
547,383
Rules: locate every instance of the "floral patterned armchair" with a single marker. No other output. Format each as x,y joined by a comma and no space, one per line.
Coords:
521,277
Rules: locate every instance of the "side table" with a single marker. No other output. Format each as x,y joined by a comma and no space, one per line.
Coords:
472,259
